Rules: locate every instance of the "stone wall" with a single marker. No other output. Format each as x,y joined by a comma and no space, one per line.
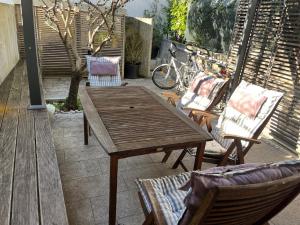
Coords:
9,54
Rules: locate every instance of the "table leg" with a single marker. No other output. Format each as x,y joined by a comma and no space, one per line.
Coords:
199,156
86,130
113,181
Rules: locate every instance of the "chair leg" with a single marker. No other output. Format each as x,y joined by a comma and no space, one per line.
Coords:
166,157
239,150
149,220
183,166
180,158
227,154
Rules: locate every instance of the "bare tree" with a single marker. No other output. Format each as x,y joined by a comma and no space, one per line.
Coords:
101,15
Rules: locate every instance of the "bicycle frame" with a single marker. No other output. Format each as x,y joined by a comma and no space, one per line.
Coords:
178,70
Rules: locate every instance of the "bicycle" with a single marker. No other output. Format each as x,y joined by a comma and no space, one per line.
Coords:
177,73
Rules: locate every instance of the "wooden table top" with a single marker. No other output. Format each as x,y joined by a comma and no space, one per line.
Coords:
131,118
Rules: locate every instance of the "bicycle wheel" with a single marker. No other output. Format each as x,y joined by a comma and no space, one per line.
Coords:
164,77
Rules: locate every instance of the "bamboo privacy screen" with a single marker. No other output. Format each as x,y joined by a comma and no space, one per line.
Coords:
52,54
273,61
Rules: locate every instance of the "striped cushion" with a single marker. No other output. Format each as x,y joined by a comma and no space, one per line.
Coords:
168,195
104,81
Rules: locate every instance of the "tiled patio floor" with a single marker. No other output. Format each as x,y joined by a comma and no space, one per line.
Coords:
84,171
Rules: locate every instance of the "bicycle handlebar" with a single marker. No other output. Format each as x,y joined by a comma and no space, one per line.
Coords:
189,49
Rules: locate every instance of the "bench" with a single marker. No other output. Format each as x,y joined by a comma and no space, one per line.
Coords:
30,185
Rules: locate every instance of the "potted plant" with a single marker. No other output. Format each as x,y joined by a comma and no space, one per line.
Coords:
133,52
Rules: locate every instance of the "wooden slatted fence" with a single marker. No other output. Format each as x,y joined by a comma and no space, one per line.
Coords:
52,54
273,61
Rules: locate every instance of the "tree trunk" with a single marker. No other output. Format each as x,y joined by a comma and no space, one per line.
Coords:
71,101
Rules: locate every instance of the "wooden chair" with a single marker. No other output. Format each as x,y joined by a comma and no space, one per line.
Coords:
235,132
253,204
191,100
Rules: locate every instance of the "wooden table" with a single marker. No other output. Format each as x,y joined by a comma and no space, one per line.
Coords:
131,121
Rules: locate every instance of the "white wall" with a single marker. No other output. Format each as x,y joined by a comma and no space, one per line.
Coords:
136,8
9,53
7,1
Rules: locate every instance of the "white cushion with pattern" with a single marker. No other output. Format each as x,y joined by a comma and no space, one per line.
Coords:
104,80
232,122
194,101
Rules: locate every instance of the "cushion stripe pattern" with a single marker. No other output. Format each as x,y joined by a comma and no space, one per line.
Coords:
169,196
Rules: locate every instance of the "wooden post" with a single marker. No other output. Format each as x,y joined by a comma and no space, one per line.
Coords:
242,54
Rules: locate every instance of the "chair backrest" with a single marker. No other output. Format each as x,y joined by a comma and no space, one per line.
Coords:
253,204
104,80
194,100
234,122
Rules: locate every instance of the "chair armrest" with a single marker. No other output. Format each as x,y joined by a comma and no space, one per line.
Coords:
198,112
171,95
202,117
253,140
156,208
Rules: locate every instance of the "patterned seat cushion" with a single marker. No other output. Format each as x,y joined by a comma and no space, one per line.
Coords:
192,99
104,80
169,195
233,122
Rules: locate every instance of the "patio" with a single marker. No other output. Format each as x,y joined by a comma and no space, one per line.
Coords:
85,171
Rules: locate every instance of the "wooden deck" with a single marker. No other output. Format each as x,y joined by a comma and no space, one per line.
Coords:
30,186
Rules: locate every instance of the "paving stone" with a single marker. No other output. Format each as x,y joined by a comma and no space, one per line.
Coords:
290,215
80,212
60,157
92,167
72,170
132,220
127,205
72,142
84,152
85,170
89,187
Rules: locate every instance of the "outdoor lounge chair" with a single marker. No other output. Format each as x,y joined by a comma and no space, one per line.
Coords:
104,71
204,93
246,114
248,194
